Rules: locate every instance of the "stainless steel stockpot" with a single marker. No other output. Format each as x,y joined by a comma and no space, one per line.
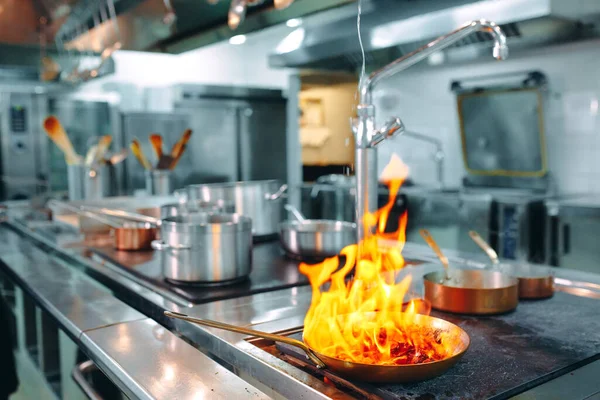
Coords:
190,207
209,248
259,200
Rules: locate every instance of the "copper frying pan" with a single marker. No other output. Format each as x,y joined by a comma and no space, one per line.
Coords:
359,371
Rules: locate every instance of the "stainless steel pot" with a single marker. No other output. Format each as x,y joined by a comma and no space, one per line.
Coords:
309,238
259,200
209,248
182,209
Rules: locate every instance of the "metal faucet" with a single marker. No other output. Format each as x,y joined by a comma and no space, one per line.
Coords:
368,137
438,156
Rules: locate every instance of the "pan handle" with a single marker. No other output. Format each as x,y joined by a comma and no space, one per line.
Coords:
491,253
251,332
160,245
277,194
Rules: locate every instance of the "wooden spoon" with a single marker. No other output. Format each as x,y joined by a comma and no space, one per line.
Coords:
58,135
180,147
103,145
156,141
136,148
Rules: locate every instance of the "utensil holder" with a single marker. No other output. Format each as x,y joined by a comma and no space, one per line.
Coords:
90,183
75,177
158,182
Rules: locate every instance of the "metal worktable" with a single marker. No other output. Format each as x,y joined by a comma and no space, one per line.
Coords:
141,357
141,353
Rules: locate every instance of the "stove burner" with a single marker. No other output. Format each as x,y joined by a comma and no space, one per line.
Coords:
228,282
509,354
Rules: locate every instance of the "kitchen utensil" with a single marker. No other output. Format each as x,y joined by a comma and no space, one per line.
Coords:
469,291
165,163
209,248
103,145
436,249
158,182
315,238
118,157
156,141
358,371
477,292
130,236
281,4
259,200
97,182
180,147
58,135
90,156
183,209
237,13
121,214
183,140
137,151
535,282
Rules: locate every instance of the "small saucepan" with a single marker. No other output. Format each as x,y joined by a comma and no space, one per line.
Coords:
535,282
128,236
461,291
314,238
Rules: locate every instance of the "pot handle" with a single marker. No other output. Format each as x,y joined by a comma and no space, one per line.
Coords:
277,194
251,332
160,245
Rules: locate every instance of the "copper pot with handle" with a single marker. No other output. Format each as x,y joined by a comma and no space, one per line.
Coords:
127,236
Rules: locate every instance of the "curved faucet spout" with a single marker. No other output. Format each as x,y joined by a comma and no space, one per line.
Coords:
500,52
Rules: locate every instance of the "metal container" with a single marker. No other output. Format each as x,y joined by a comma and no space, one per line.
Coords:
158,182
207,248
75,174
90,183
134,236
259,200
471,291
97,182
310,238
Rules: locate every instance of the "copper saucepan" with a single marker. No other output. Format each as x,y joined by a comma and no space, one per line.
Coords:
535,282
462,291
359,371
129,236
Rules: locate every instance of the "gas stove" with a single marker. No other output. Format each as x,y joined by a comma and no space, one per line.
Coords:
270,271
509,354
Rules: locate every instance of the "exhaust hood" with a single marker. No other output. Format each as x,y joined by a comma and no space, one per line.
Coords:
175,26
29,49
391,29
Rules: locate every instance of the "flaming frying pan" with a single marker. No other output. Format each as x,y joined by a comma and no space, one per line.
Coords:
359,371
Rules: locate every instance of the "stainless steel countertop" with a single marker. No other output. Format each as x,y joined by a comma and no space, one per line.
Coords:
160,365
142,358
277,311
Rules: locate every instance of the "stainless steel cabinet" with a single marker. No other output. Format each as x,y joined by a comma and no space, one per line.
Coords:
572,233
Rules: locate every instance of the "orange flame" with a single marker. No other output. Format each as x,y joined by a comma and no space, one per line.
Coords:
363,319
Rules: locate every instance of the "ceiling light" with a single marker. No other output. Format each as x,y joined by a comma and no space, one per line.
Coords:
294,22
237,39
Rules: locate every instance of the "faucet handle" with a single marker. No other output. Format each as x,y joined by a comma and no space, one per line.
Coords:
392,127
